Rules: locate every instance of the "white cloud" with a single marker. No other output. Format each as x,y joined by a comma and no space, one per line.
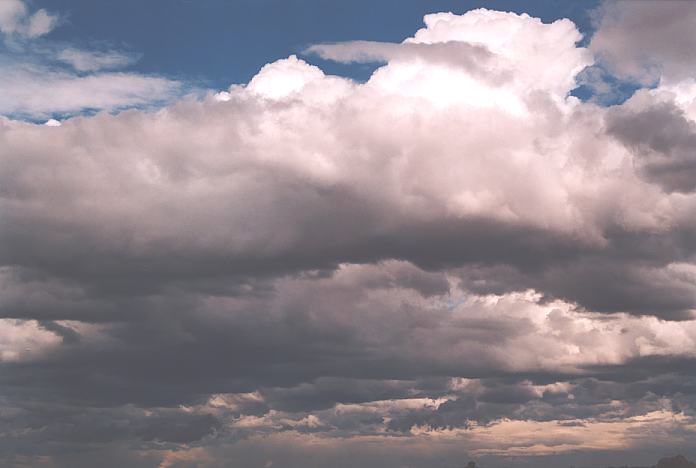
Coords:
482,58
24,340
35,91
538,55
11,14
284,77
16,19
294,78
41,23
35,86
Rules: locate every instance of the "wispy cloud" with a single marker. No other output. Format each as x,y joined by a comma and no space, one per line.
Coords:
94,60
43,78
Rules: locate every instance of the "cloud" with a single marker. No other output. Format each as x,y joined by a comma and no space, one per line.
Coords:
453,257
89,61
482,58
44,78
454,53
675,462
41,23
346,184
34,91
663,137
647,41
16,19
22,339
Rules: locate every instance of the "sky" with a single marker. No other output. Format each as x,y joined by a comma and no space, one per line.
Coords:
335,234
218,42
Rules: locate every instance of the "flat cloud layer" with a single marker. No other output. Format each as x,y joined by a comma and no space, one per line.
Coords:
455,259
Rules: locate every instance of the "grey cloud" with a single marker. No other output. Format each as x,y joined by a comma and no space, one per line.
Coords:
664,141
645,40
177,427
675,462
325,392
67,334
597,283
76,432
471,57
204,242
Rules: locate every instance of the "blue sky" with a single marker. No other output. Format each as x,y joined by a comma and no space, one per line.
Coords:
198,46
220,42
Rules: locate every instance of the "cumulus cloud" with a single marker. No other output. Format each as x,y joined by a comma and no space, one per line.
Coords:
454,256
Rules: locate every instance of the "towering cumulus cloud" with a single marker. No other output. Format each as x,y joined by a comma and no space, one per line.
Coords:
453,260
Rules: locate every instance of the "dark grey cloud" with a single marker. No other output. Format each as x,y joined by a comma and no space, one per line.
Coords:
664,140
597,283
678,461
